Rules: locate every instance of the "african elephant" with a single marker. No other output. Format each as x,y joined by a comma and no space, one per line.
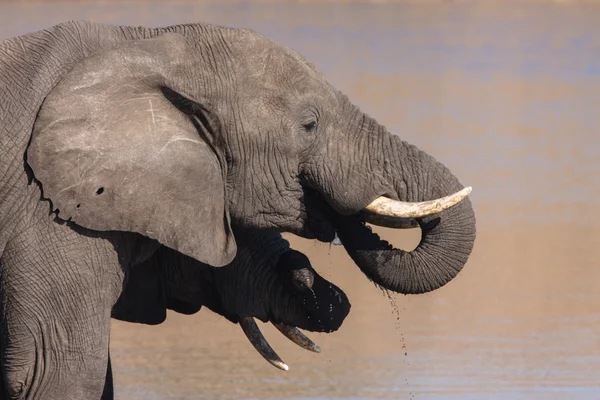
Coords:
115,141
266,280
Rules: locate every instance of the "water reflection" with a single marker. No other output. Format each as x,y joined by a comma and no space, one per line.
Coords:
507,97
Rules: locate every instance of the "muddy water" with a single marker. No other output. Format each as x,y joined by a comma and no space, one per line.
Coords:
508,98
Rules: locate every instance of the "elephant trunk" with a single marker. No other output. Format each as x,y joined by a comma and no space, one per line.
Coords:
447,237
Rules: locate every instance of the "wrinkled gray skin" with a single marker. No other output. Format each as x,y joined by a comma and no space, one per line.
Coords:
115,139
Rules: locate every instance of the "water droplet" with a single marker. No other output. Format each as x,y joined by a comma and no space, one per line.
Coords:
336,241
396,311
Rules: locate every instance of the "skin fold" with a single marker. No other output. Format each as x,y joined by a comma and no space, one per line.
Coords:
154,164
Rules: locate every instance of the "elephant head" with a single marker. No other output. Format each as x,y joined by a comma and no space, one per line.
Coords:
179,131
266,280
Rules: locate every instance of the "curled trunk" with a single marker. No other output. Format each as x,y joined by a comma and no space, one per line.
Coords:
447,238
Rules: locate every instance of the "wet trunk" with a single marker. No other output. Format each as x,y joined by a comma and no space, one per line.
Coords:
447,238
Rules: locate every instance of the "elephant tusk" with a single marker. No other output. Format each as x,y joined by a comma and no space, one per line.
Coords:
383,206
298,337
261,345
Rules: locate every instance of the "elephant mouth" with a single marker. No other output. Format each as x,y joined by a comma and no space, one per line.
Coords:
382,211
318,224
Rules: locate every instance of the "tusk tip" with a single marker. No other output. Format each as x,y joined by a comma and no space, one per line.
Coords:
281,365
261,345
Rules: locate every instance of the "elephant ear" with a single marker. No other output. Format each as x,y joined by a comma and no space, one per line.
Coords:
113,153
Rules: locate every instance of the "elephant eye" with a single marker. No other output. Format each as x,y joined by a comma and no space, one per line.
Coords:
310,127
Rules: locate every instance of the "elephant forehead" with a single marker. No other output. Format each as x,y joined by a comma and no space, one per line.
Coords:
264,63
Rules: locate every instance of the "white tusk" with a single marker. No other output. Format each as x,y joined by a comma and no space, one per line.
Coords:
401,209
298,337
261,345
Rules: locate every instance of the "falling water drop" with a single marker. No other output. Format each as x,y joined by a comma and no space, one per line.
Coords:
336,240
396,311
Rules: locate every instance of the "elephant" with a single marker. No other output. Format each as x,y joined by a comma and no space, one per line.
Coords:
266,280
120,145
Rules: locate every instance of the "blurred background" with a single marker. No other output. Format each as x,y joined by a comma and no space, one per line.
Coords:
506,94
